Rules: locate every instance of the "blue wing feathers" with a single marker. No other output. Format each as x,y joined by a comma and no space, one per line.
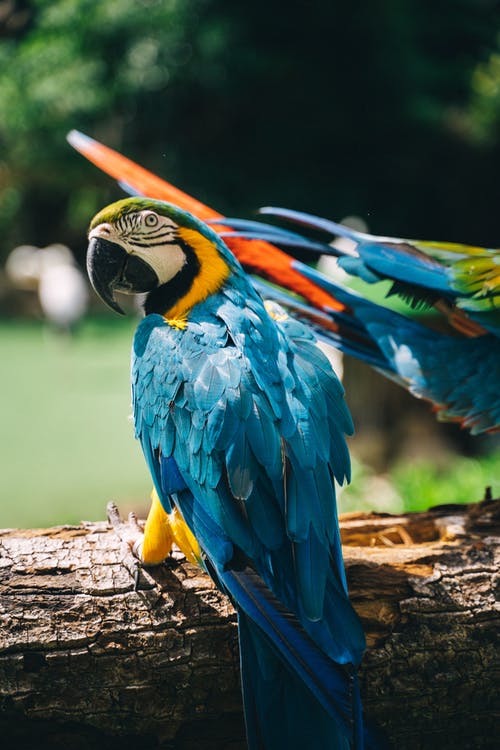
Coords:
424,361
311,570
208,386
171,478
266,515
208,533
241,465
394,262
264,439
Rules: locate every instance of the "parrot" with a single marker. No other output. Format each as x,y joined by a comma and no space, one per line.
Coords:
243,425
456,370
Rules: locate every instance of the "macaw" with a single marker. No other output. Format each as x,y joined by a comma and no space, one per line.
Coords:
458,370
242,423
457,373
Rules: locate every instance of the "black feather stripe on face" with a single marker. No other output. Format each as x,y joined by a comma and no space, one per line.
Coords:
164,297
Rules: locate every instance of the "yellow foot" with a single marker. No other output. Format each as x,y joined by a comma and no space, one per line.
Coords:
158,536
161,530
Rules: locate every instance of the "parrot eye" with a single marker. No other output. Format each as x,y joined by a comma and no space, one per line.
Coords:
151,220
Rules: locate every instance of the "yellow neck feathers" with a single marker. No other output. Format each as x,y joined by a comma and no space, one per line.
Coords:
212,274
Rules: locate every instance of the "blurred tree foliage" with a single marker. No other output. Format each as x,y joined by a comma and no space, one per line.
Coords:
483,116
383,109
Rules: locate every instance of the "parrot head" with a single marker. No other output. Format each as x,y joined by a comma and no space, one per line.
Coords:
139,245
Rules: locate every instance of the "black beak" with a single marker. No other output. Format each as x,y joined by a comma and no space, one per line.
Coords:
111,268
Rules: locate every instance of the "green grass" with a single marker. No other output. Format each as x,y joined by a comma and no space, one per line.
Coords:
67,445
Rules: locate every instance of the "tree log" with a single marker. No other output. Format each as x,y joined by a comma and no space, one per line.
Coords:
88,662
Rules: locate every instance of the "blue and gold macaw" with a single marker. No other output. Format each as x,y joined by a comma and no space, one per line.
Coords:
458,370
242,423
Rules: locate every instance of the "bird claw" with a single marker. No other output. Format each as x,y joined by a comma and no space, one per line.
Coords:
137,574
129,531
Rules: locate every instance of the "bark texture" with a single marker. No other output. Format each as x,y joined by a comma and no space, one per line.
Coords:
87,662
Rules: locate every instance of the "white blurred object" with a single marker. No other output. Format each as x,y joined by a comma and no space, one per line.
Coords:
63,295
23,267
55,255
52,272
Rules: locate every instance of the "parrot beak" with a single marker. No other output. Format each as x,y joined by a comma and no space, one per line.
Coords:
111,268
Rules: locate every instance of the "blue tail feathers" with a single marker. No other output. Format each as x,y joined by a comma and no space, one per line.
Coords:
282,666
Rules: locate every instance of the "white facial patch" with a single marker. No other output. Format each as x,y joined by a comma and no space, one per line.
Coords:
148,236
166,262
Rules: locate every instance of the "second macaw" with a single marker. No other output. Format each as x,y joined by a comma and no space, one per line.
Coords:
242,423
457,369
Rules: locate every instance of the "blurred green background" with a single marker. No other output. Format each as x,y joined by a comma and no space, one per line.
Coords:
67,442
386,110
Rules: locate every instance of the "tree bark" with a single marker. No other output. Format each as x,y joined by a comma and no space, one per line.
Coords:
88,662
